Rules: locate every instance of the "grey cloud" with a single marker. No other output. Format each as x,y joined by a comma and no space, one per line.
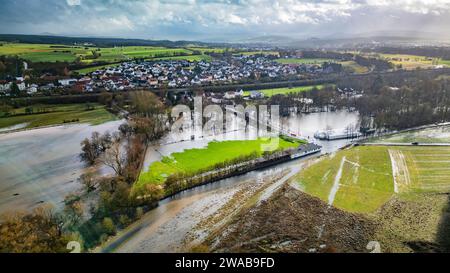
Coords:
183,19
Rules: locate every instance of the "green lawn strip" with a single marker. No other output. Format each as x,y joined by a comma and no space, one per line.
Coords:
195,160
58,114
285,91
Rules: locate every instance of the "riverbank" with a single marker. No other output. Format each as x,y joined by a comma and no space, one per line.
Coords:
181,221
42,166
361,199
45,116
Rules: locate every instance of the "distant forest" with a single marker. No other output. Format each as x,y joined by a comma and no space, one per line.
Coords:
98,42
435,52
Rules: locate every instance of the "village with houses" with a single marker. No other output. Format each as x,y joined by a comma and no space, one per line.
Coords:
131,75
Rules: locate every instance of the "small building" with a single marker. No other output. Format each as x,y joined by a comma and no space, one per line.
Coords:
5,86
32,89
256,95
229,95
67,82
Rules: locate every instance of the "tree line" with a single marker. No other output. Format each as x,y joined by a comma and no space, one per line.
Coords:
105,203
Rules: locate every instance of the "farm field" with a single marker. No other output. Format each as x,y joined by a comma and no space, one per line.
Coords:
191,58
69,53
430,135
249,53
363,179
350,66
304,60
95,68
194,160
56,114
284,91
204,50
409,62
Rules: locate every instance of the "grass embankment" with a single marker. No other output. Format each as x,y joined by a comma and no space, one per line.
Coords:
57,114
285,91
431,135
195,160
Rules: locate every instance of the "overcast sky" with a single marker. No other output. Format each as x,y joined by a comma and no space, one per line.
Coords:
222,19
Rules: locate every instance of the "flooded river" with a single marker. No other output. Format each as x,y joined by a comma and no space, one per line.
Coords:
183,219
304,126
42,165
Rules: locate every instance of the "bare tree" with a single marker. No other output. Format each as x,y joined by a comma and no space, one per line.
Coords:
116,156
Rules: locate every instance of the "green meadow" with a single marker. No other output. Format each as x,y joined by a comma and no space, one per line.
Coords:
57,114
69,53
362,177
285,91
194,160
304,60
190,58
350,66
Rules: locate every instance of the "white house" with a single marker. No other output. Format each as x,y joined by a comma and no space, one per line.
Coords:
5,86
22,86
32,89
229,95
67,82
256,95
239,93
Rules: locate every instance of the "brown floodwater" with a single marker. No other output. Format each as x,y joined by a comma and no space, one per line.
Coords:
168,227
42,165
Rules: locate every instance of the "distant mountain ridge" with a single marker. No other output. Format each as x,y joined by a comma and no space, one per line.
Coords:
100,42
328,42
